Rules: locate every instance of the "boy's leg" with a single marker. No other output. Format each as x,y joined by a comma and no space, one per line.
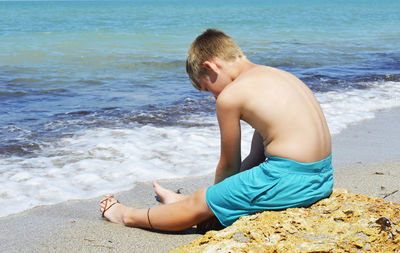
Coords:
167,197
170,217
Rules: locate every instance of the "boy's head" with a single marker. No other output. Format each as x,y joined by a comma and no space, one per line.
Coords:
210,44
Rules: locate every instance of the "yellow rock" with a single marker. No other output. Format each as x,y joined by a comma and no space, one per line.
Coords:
344,222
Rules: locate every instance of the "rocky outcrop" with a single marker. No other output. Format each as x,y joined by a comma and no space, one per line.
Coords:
344,222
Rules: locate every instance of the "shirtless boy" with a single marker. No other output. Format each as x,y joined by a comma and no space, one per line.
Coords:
289,164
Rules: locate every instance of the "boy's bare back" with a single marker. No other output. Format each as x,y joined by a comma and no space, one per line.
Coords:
281,108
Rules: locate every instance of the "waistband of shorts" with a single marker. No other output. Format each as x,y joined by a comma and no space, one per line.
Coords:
288,165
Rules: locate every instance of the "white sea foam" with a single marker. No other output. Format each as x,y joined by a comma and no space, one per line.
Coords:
345,107
100,161
97,161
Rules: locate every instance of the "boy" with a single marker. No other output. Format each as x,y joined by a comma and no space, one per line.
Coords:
289,164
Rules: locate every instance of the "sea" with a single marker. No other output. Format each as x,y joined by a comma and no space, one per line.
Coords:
94,97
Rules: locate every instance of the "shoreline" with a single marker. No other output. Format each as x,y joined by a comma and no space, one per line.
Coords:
366,160
369,141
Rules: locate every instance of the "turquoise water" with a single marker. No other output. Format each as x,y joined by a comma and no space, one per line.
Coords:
94,93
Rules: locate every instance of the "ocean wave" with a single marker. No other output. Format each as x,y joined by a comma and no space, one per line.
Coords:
326,83
344,103
5,94
30,134
18,149
350,106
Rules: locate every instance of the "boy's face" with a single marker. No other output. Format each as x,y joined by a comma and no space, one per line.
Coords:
211,84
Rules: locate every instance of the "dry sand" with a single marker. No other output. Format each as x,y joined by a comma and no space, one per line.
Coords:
366,160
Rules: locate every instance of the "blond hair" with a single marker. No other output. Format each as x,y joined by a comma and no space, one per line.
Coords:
210,44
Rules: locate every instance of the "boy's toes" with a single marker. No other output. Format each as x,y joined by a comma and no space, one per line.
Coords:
112,210
106,203
105,198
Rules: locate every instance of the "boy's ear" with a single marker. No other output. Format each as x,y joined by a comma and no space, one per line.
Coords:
211,66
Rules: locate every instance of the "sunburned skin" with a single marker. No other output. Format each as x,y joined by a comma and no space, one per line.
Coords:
287,115
280,107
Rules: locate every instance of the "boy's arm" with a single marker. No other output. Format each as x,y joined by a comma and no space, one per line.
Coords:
228,114
257,154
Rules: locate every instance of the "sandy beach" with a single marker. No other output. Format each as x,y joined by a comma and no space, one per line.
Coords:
366,160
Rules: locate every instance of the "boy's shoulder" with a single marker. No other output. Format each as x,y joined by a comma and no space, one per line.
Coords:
252,84
245,80
256,75
237,93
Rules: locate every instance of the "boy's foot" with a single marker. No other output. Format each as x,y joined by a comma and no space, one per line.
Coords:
167,196
112,210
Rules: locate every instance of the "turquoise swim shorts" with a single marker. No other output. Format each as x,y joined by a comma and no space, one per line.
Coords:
277,183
